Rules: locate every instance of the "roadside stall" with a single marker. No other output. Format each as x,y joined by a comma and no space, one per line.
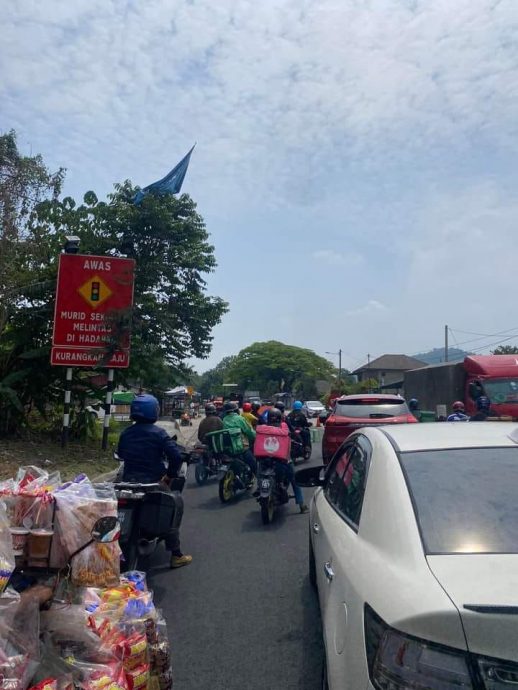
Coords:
69,620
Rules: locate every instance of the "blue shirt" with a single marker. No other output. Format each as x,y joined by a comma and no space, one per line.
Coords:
144,448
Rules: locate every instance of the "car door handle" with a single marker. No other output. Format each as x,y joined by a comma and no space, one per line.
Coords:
329,573
316,527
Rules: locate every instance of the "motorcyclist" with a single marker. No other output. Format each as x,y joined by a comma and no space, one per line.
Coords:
255,411
143,447
458,414
249,415
275,419
296,419
413,406
484,410
233,420
212,422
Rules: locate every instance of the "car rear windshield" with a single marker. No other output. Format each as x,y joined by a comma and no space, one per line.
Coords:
314,403
371,408
465,499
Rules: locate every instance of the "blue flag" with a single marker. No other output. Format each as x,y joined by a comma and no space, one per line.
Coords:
171,183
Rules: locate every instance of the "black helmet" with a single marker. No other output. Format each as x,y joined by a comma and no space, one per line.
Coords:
229,406
210,408
256,406
280,406
274,416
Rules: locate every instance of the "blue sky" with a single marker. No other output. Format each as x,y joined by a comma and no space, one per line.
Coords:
356,159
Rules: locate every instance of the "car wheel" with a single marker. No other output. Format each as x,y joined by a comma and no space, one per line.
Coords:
312,566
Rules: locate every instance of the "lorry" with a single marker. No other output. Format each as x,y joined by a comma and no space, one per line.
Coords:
495,376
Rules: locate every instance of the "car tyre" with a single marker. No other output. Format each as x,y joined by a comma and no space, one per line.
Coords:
312,566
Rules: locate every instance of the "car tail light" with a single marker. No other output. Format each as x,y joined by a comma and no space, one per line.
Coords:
411,419
399,662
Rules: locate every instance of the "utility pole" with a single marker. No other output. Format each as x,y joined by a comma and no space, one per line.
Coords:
446,343
339,366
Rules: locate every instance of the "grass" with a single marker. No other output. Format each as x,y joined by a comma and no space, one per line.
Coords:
47,453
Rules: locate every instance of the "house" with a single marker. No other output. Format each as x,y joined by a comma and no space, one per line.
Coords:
388,369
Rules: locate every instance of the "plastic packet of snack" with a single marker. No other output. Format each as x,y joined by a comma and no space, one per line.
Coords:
138,678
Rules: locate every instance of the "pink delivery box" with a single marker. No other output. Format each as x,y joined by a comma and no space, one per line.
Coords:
272,442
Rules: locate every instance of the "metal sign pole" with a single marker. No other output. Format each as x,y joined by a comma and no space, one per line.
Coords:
66,410
107,409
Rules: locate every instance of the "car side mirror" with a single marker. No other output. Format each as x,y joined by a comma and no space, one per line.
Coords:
311,476
475,390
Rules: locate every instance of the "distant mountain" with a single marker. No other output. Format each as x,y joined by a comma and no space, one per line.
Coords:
436,356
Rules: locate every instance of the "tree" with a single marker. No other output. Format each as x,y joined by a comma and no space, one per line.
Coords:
211,382
273,367
173,316
505,350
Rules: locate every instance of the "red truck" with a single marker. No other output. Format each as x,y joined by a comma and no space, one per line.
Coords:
441,384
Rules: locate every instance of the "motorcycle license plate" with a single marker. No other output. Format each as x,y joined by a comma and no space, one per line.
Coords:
265,484
125,519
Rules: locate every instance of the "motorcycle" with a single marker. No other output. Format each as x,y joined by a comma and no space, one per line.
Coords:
298,448
235,477
273,488
207,463
185,419
145,513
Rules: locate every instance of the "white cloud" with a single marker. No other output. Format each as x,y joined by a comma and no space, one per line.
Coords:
371,308
334,258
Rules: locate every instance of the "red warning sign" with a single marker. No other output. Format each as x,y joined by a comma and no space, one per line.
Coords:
92,317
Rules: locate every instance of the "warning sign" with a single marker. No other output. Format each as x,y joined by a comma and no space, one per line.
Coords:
92,316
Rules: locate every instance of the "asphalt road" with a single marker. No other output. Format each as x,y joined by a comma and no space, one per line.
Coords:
243,614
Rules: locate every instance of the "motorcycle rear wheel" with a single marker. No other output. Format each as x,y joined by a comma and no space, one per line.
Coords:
227,489
201,473
267,510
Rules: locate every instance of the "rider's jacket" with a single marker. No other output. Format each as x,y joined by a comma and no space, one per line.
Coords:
144,448
250,418
298,419
233,420
457,417
208,425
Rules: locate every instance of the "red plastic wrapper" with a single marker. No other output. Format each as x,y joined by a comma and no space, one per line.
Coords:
135,651
47,684
138,678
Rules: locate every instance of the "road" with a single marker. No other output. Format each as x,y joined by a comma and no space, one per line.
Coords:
242,615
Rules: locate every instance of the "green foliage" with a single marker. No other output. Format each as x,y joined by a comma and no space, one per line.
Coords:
271,367
211,382
505,350
173,316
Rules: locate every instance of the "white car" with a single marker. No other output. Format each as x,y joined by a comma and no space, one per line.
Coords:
414,552
312,408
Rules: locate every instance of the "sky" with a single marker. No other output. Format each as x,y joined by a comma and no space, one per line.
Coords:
356,160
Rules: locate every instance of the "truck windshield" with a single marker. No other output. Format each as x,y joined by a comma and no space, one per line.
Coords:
501,390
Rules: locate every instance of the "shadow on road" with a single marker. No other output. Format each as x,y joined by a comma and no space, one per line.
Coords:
282,516
310,676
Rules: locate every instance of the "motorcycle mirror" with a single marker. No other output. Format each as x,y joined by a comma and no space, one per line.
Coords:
106,529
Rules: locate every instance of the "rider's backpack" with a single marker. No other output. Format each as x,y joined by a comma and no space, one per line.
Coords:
228,441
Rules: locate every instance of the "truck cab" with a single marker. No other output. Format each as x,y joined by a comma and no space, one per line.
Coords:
495,376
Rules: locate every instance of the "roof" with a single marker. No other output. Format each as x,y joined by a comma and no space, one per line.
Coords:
391,363
412,437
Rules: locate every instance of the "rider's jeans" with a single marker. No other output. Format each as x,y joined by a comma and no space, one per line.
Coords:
289,473
248,457
172,540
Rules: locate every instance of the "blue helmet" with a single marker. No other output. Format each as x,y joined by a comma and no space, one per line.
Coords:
413,404
144,408
483,402
297,405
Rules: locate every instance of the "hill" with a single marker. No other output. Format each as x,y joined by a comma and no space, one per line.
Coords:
436,356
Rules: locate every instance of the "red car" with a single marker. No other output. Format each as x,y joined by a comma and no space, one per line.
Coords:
354,411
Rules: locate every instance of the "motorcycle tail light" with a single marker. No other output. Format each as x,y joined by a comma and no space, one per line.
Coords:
121,502
399,662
